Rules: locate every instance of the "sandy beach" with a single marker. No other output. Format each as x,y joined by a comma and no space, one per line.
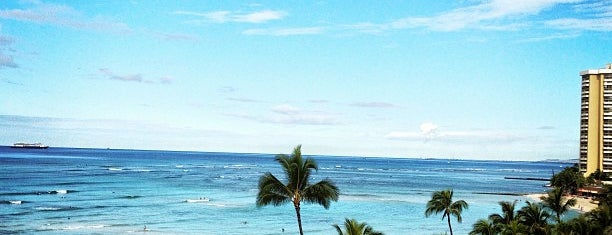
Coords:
582,204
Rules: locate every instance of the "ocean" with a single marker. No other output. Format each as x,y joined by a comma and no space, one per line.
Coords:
100,191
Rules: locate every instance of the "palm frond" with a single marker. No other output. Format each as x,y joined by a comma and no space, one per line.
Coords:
457,208
272,191
321,193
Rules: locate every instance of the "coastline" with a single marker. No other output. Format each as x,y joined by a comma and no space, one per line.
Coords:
583,205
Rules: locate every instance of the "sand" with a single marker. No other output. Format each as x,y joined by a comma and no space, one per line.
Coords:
582,204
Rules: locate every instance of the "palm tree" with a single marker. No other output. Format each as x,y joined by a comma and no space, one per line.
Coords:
507,215
484,227
555,202
535,217
442,201
601,219
352,227
297,189
513,228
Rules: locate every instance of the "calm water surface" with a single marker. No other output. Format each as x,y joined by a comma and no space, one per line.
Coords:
94,191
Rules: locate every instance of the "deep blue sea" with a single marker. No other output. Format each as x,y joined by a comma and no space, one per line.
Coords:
99,191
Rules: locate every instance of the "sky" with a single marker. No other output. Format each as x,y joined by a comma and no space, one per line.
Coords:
470,79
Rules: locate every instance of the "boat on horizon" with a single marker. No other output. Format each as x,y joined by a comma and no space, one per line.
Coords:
30,146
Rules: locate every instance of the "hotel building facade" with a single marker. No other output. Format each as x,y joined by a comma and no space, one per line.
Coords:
596,120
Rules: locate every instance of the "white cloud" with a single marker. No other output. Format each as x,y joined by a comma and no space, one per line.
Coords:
62,15
550,37
260,16
243,100
599,24
428,129
430,132
484,15
230,16
107,73
166,80
374,105
7,61
285,31
285,109
288,114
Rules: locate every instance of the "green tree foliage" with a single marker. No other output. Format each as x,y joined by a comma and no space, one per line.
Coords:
507,215
442,202
556,202
297,189
484,227
352,227
534,217
513,228
570,179
606,196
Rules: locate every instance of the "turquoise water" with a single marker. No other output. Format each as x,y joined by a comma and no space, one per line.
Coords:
94,191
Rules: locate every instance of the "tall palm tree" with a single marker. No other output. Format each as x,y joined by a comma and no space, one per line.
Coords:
352,227
556,202
484,227
534,217
297,189
442,201
507,215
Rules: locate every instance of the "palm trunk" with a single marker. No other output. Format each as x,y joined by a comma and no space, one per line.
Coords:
299,218
449,224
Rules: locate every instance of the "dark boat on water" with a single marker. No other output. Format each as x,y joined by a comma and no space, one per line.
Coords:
29,146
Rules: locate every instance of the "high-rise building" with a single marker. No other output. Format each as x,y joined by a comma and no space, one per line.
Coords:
596,120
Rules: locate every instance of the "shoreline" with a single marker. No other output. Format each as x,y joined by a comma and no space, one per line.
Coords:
583,205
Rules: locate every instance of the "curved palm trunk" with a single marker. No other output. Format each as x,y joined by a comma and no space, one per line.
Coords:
449,224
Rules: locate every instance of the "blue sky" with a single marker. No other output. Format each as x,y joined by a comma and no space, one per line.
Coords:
444,79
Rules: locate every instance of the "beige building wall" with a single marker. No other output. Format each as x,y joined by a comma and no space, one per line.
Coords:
596,121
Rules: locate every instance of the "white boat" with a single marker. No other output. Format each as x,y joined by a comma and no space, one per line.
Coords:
30,146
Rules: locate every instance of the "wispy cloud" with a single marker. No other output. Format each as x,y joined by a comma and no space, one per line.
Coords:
175,36
493,15
290,115
166,80
285,31
107,73
598,24
485,15
64,16
243,100
262,16
285,109
319,101
6,61
550,37
593,16
430,132
227,89
6,40
373,105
